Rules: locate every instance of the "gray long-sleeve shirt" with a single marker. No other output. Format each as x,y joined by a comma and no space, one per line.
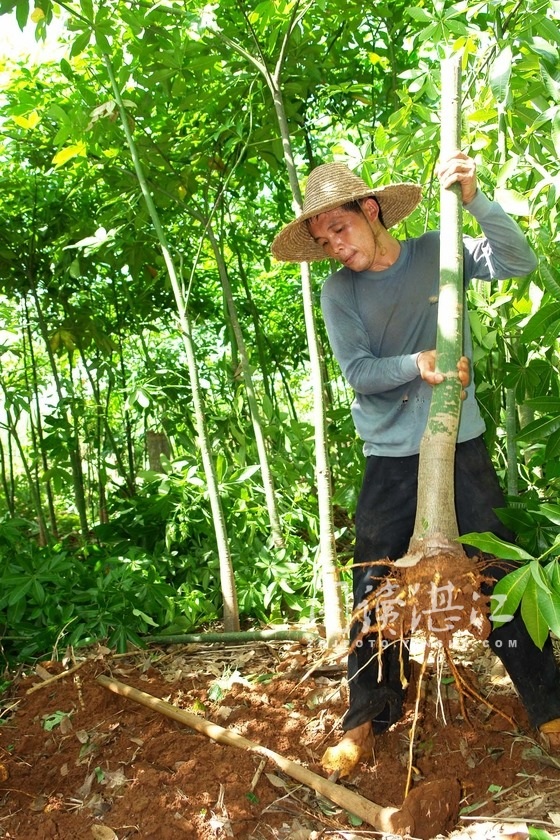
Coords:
378,321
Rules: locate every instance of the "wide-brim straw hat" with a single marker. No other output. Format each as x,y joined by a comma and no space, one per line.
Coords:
332,185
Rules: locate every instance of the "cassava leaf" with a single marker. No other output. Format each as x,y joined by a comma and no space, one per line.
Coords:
507,595
493,545
532,615
552,571
500,74
549,606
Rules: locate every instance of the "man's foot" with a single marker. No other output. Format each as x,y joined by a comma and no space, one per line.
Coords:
550,734
356,744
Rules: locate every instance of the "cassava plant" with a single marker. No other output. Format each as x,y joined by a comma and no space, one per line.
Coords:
534,586
435,556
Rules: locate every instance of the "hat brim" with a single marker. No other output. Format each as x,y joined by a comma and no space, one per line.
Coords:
294,243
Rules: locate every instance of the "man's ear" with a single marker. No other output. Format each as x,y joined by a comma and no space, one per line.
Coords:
370,208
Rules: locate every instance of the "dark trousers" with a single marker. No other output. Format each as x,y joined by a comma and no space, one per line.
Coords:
384,524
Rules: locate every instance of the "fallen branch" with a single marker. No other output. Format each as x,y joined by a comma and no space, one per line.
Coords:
236,637
437,800
56,677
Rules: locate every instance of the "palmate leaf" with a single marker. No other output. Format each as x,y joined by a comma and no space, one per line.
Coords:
548,604
507,595
552,571
532,615
493,545
552,512
539,576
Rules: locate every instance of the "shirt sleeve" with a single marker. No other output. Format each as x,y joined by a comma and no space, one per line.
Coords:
503,251
364,372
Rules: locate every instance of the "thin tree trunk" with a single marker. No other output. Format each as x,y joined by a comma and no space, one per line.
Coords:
34,491
435,528
266,474
332,598
260,339
71,428
7,480
327,547
511,445
231,612
36,425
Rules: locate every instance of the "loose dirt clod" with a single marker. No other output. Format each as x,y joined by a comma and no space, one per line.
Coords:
430,809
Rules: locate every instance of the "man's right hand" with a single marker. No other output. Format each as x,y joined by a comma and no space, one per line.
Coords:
426,361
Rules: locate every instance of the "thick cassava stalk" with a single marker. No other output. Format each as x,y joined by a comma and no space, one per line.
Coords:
436,521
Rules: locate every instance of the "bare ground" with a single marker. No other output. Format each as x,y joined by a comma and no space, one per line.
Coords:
78,762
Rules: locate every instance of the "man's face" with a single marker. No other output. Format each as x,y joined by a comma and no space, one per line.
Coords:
345,236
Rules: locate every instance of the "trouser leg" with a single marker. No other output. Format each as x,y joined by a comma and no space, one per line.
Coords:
384,521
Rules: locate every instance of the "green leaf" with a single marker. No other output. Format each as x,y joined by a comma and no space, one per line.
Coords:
353,820
532,615
69,152
550,511
512,201
80,43
539,576
507,594
139,614
51,721
544,405
22,13
419,15
491,544
556,132
537,326
549,606
539,429
539,834
18,593
500,74
552,451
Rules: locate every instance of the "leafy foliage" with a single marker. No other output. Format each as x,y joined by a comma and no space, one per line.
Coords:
534,587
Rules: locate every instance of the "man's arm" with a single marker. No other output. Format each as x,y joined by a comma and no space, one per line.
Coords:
504,252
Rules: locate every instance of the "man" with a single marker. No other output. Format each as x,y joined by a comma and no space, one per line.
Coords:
380,310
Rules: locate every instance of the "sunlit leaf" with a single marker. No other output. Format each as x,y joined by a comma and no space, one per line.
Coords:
69,152
27,122
500,74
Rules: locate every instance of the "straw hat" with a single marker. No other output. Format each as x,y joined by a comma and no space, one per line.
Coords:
330,186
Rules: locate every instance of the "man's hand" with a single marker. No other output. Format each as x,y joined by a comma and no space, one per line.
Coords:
426,361
459,169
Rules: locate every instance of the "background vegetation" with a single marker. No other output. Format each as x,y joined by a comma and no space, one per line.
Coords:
144,324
